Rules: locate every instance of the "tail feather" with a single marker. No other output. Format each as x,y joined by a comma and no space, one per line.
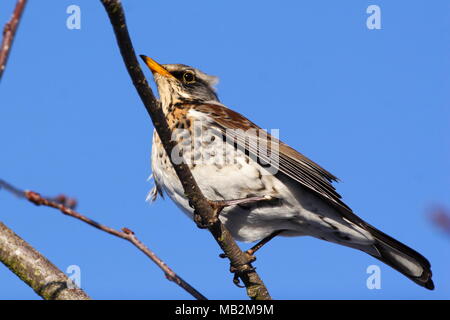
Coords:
402,258
394,253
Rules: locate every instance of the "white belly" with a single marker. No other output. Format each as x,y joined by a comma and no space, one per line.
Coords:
296,210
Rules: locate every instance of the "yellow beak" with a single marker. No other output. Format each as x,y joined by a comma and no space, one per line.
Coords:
156,67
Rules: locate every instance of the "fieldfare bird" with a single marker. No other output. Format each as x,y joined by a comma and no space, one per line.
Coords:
230,157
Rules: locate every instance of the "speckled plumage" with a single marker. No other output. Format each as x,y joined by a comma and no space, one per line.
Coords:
303,200
293,209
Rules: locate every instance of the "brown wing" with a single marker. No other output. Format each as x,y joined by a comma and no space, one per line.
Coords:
291,163
312,176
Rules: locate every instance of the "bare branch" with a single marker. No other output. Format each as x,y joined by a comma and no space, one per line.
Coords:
125,234
8,34
240,263
36,270
61,199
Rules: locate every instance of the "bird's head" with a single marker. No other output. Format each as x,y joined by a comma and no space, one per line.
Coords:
181,83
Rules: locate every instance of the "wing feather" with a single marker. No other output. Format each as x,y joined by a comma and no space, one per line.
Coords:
309,174
291,163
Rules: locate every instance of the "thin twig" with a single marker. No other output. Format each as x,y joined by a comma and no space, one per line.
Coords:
61,199
9,32
125,234
240,263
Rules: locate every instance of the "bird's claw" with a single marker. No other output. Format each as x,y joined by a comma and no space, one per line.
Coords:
250,257
237,281
248,254
199,221
240,271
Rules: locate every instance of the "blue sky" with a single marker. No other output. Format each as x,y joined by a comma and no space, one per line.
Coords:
371,106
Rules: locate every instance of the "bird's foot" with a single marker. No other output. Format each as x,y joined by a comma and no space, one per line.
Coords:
199,221
239,271
248,254
202,222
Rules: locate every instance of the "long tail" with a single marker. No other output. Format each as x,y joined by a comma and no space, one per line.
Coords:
402,258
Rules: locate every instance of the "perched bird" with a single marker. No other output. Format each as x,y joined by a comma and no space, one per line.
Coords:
293,196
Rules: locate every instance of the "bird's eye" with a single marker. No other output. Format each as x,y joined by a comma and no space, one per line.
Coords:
189,77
